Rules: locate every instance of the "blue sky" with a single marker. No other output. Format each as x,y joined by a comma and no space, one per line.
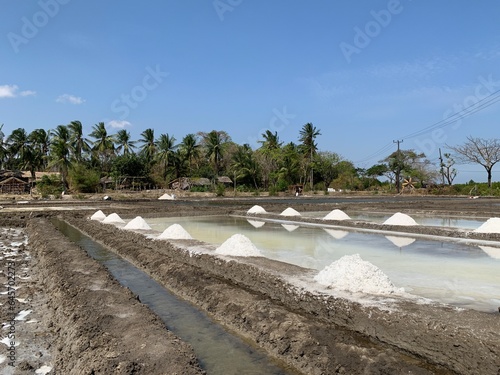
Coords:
366,73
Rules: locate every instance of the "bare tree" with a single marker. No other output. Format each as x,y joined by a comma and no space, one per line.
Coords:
485,152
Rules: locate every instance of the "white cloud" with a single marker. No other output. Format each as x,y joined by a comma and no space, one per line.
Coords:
67,98
27,93
10,91
117,124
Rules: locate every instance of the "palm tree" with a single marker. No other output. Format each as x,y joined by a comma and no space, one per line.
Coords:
103,146
124,143
40,142
271,141
148,149
190,148
245,165
79,143
308,134
165,151
3,150
215,143
60,152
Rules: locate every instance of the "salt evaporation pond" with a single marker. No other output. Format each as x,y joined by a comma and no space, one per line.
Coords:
446,271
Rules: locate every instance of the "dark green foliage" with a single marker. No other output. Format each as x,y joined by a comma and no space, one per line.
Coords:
50,185
83,179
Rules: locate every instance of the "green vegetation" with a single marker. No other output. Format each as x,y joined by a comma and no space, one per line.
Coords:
115,161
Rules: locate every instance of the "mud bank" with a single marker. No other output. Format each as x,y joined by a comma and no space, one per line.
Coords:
313,332
98,326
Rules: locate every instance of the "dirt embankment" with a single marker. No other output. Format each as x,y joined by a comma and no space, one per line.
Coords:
98,326
313,333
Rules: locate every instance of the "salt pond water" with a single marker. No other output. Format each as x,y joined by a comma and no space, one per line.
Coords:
448,272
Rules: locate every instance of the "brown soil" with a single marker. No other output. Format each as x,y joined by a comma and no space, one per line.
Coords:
77,302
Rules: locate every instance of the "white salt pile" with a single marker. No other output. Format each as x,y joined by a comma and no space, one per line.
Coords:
175,232
353,274
137,223
113,219
400,241
257,210
490,226
337,215
400,219
98,215
43,370
290,212
166,197
239,246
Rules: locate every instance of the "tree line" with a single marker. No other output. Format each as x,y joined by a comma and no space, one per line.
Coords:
156,160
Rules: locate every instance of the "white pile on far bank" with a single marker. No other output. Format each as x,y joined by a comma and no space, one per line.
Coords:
257,210
238,245
490,226
400,219
175,232
137,223
353,274
290,212
166,197
337,215
113,218
98,215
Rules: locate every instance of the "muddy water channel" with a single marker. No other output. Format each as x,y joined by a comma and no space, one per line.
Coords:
453,272
217,351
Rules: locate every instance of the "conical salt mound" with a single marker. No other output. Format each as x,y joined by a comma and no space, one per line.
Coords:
256,210
337,215
98,215
175,232
490,226
137,223
113,219
166,197
290,212
239,246
400,219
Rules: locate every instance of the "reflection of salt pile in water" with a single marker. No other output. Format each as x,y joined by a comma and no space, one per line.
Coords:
256,223
337,234
289,227
490,226
337,215
113,219
400,241
238,245
167,197
137,223
175,232
400,219
493,252
290,212
98,215
257,210
353,274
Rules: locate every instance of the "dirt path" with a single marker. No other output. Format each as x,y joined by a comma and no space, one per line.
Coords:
88,323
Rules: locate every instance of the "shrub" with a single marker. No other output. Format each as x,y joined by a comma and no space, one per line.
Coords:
219,190
50,185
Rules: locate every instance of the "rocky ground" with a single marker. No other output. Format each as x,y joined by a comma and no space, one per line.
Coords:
83,322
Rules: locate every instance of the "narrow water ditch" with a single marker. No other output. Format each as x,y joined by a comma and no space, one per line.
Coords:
218,351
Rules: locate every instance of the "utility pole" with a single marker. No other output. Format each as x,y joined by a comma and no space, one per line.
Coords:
398,167
441,165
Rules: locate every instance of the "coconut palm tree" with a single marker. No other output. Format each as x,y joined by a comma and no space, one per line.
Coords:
79,143
215,143
165,151
148,149
40,142
124,142
103,146
308,134
190,148
60,155
271,141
